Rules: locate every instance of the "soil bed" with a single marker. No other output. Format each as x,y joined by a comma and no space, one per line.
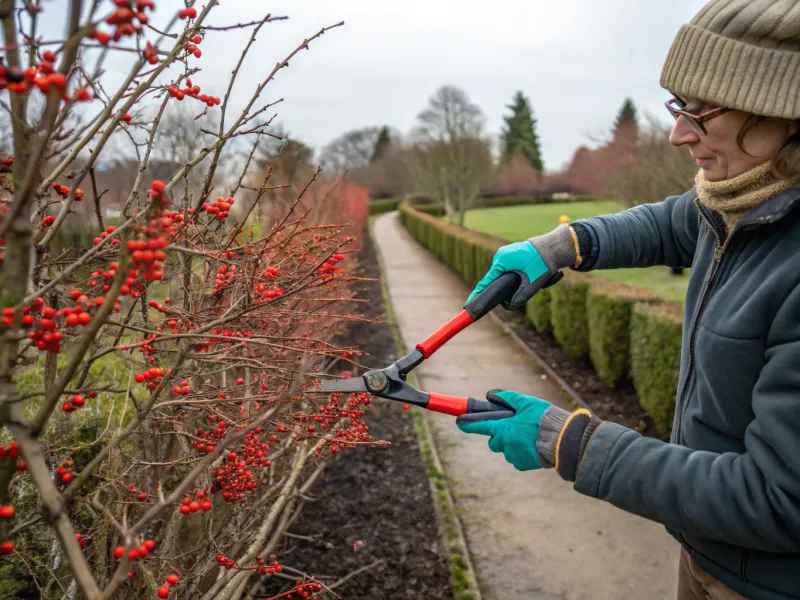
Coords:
376,496
619,404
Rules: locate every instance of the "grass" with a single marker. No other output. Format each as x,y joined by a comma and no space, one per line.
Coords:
515,223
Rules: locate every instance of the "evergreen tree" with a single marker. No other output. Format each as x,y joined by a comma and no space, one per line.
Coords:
382,143
626,127
627,114
519,134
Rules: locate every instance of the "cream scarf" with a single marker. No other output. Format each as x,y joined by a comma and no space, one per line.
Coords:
733,197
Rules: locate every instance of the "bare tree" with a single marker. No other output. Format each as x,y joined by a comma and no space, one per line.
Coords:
658,171
451,161
352,150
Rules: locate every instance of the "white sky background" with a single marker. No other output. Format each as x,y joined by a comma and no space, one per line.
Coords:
576,60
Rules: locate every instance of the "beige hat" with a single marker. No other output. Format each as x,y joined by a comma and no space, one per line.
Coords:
741,54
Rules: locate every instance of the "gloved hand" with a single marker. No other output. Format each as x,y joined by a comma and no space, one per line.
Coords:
538,261
515,436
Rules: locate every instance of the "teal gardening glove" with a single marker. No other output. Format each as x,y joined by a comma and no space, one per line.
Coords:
538,261
540,435
515,436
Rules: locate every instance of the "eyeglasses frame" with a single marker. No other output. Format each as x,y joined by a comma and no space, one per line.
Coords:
697,120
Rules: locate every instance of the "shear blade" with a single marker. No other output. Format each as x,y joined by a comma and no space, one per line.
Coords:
356,384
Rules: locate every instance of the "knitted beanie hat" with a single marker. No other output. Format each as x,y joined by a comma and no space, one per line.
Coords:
740,54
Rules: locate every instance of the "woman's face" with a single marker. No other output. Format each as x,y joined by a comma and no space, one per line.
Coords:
718,153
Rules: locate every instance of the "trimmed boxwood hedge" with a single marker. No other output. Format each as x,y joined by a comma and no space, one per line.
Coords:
568,314
625,331
467,252
608,313
538,311
655,360
378,207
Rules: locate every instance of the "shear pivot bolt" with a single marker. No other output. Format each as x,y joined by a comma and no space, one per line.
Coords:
376,382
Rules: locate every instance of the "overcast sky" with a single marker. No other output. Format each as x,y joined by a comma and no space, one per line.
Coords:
575,59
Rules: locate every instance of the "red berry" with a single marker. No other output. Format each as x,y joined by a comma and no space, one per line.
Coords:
150,545
194,506
133,555
57,80
185,510
6,512
142,551
172,579
6,548
118,552
163,592
158,186
49,56
205,505
239,381
127,118
66,477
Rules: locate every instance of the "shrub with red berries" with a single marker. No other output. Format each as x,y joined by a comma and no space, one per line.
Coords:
160,405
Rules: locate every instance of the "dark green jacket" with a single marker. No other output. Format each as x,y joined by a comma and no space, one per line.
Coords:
728,485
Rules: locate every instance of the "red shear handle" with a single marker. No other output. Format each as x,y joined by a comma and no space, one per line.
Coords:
449,405
480,410
444,334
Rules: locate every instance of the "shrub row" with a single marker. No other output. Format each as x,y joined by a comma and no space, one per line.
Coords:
626,332
467,252
380,206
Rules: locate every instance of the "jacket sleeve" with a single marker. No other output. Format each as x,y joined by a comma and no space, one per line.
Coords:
747,499
663,233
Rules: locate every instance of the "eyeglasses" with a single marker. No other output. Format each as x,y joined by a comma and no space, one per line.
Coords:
677,108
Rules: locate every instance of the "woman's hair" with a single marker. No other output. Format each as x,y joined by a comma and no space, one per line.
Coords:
786,162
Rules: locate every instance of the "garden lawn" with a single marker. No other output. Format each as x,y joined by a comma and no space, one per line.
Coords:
515,223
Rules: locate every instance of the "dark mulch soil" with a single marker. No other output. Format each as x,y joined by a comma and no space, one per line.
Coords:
378,496
619,404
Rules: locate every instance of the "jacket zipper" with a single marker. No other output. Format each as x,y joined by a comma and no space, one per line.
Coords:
719,251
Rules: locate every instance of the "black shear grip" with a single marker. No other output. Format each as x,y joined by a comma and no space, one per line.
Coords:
499,291
483,410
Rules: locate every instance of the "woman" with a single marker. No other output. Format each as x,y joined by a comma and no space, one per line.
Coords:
727,486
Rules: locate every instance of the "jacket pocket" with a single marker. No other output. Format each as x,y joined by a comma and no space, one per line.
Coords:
720,407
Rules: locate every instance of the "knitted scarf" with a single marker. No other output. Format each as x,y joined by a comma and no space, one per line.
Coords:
733,197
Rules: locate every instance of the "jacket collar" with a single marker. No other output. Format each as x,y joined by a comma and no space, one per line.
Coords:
773,209
770,211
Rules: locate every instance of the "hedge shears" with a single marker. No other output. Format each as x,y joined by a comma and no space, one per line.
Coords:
390,382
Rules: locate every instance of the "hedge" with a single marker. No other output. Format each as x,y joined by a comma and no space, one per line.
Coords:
423,204
608,314
538,311
467,252
625,331
568,315
655,360
378,207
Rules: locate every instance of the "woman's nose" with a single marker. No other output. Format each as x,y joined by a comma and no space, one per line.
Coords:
683,133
